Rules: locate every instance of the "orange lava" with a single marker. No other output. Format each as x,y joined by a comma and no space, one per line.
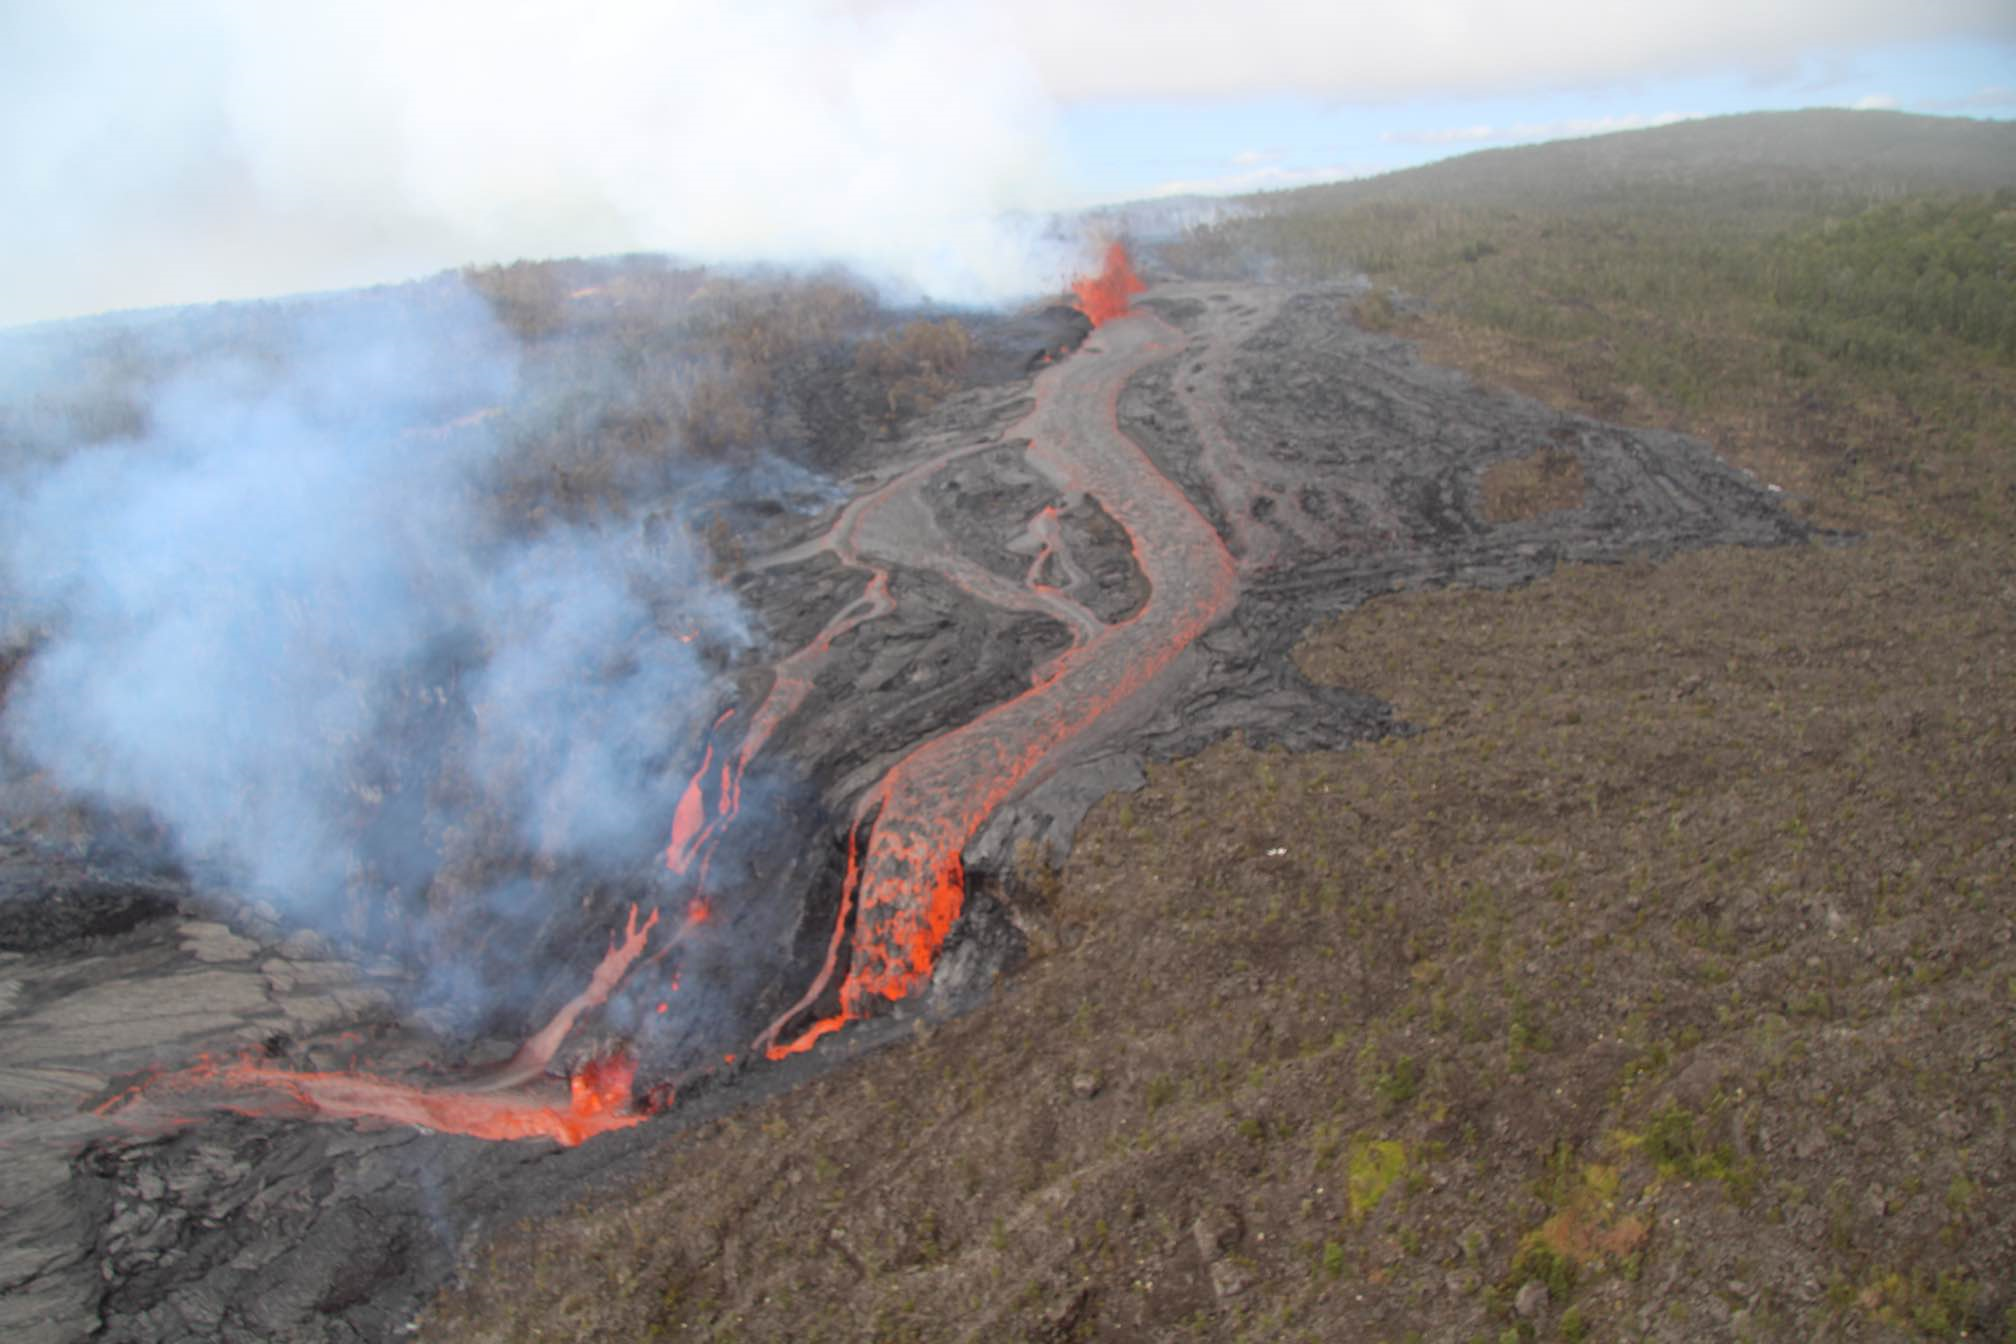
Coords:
602,1086
599,1102
691,826
599,1092
688,819
902,895
1105,296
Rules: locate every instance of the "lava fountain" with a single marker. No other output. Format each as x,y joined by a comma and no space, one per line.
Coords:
1107,295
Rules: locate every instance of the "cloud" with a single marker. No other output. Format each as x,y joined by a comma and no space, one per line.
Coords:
1530,130
222,148
1454,48
226,148
1876,102
1264,177
1447,135
1983,99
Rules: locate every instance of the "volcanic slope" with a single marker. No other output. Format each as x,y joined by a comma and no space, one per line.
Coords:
1658,989
1333,468
1368,478
1319,465
1755,170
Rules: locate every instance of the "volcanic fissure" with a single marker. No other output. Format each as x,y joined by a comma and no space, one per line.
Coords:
1098,559
904,885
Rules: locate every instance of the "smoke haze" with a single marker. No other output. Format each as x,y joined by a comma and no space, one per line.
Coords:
282,621
218,149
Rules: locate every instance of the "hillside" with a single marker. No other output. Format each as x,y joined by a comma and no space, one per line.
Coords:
1659,988
1792,303
1757,168
1565,894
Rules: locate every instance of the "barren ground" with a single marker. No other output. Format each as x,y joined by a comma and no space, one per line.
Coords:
1668,968
1677,944
1656,981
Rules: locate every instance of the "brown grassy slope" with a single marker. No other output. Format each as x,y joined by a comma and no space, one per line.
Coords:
1827,296
1670,968
1730,835
1685,925
1757,168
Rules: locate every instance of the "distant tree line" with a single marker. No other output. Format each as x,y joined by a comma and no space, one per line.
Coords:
1946,267
1868,289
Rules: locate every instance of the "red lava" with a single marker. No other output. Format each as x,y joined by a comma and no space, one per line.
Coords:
1107,295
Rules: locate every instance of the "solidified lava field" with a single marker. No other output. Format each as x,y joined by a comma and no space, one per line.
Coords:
1044,584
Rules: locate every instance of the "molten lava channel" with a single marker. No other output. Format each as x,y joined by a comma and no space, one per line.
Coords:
906,887
497,1106
905,882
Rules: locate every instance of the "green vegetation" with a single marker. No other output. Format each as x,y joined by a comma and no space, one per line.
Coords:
1374,1165
1837,338
1671,1143
1399,1084
1933,268
1549,1266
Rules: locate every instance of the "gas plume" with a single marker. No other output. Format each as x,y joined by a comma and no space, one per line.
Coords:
281,619
279,148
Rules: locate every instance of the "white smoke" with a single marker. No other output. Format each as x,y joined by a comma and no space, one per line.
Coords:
226,148
281,621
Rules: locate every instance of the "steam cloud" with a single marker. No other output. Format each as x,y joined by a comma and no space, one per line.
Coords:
281,620
277,148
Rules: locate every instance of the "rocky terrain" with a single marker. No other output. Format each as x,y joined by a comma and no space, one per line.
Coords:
1143,534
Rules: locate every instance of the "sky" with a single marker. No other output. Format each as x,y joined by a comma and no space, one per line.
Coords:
158,153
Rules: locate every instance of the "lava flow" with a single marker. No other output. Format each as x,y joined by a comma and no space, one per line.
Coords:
905,891
692,827
495,1107
905,881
